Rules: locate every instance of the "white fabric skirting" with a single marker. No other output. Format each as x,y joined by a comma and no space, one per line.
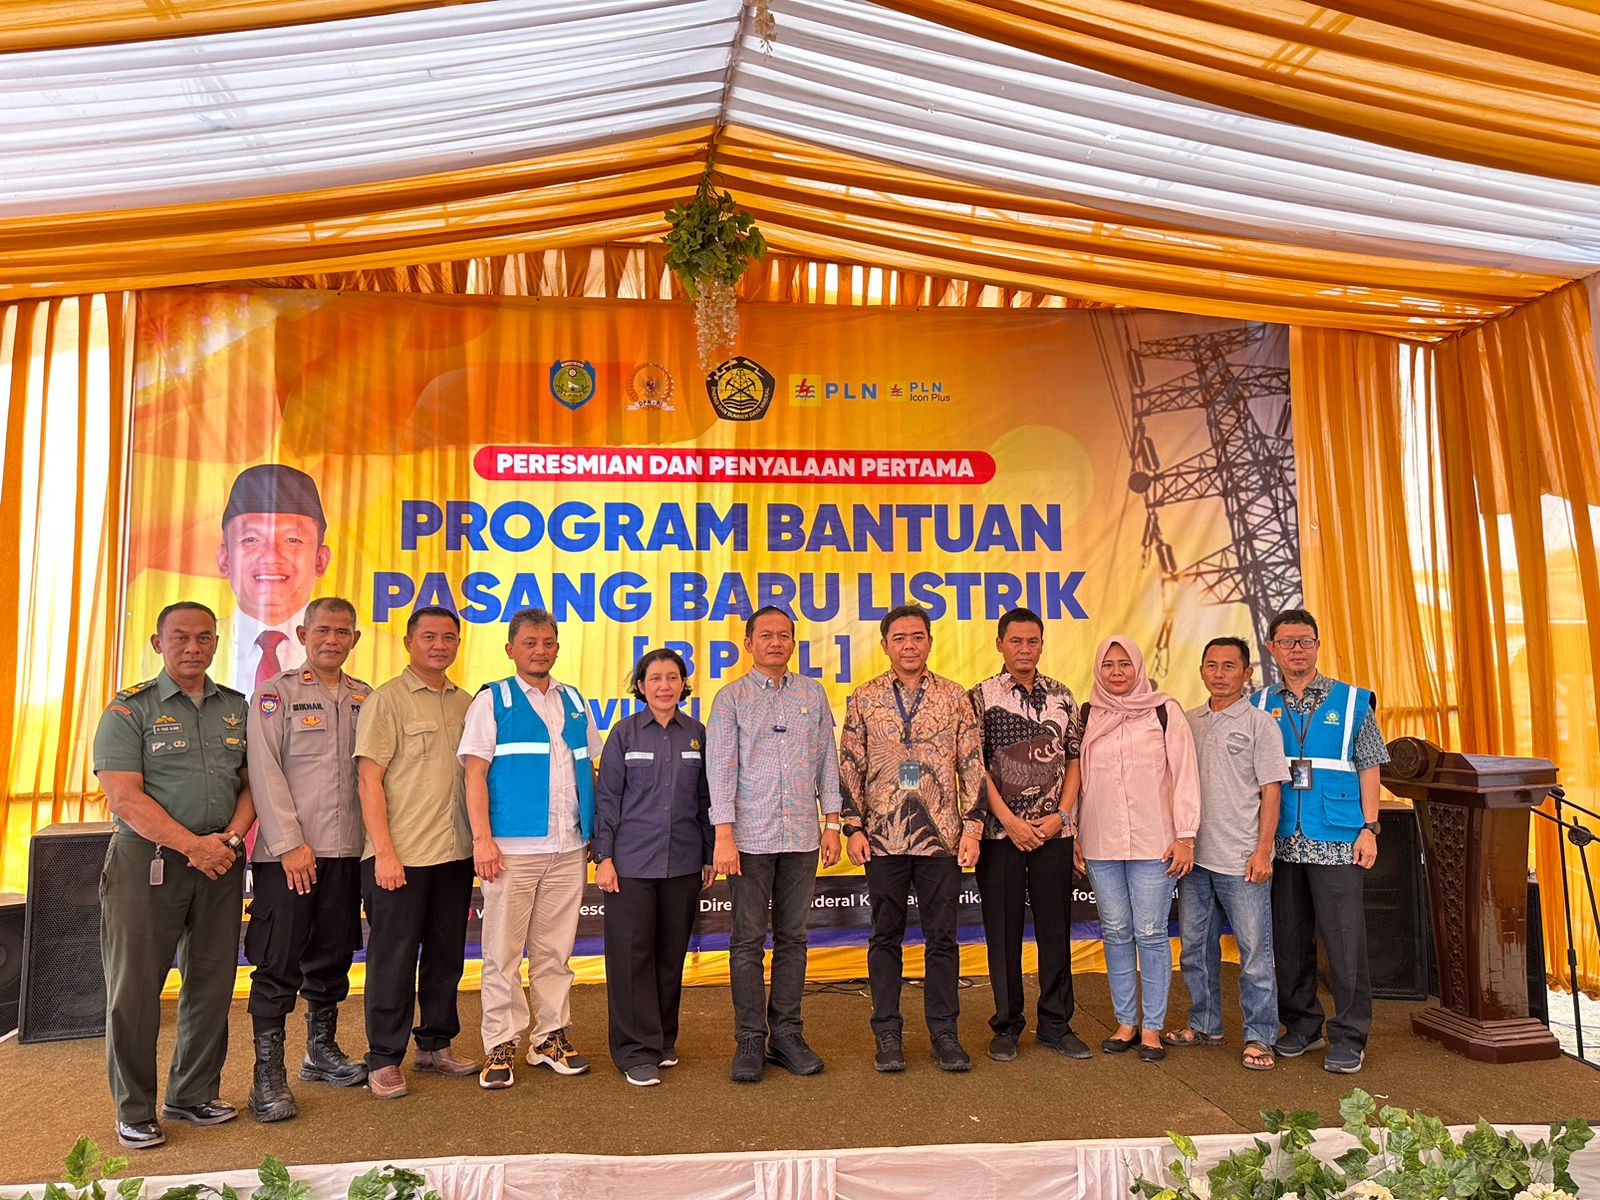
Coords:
1089,1170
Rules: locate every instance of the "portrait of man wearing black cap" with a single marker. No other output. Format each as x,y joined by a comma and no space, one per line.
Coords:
273,553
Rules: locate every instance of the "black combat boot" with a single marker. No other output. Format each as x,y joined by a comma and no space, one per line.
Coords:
324,1060
270,1098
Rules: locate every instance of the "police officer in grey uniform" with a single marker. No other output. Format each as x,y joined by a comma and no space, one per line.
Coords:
305,916
170,754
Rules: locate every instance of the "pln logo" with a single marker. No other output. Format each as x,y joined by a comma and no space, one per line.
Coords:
805,391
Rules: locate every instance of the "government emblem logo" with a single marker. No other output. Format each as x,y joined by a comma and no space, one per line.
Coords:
572,382
268,703
232,722
311,722
741,389
651,386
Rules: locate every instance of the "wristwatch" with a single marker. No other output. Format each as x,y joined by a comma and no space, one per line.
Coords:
234,842
1372,827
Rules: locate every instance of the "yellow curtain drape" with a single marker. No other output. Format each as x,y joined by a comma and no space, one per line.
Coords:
810,202
1482,81
1448,497
67,363
1515,415
620,271
1356,557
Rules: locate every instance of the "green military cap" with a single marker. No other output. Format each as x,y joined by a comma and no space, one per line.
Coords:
274,488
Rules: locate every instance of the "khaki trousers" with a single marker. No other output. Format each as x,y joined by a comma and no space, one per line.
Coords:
532,910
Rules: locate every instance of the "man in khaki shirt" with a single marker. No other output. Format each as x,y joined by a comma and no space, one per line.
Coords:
416,872
305,911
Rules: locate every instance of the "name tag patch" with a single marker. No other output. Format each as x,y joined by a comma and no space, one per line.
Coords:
167,726
694,754
639,756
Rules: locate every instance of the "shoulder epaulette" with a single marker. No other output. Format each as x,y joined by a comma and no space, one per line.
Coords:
125,693
231,691
358,685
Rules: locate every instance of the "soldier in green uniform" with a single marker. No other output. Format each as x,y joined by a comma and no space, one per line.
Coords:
170,754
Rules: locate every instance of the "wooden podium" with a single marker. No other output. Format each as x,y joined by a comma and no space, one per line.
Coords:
1474,815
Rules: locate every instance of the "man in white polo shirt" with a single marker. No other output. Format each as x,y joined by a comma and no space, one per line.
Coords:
529,750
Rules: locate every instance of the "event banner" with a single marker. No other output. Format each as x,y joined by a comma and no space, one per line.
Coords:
489,455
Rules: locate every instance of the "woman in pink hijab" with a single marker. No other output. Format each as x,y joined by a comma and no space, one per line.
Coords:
1137,818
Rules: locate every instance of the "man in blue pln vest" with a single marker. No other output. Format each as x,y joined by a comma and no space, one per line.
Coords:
1326,842
529,750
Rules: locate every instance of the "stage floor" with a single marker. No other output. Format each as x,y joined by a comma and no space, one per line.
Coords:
54,1092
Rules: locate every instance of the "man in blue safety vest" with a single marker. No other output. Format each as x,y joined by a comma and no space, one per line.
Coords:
529,749
1327,840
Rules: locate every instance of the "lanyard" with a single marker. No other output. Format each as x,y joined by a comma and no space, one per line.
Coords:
908,717
1301,732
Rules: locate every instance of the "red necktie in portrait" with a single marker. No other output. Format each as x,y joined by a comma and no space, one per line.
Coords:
269,666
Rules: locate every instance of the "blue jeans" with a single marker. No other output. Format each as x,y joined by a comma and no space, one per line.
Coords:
1135,902
1205,899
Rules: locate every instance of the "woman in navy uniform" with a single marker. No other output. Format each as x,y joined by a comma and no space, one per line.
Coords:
652,850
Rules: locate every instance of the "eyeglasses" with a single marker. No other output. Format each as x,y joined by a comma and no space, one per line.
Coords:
1291,643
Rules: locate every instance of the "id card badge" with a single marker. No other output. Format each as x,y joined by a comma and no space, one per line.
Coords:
1300,774
158,870
910,775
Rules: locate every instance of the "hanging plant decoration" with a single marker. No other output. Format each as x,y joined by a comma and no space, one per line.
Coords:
710,243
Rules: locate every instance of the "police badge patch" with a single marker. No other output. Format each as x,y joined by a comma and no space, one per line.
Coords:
741,389
572,382
268,703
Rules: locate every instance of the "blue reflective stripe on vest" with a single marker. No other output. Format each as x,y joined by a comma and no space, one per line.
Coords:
1330,809
519,774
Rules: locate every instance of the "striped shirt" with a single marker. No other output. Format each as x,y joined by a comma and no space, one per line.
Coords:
771,762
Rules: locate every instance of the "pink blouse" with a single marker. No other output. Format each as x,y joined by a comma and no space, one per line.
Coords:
1141,788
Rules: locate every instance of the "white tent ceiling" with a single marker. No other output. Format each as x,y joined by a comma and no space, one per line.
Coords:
394,96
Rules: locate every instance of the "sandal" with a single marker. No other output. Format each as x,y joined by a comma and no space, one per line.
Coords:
1191,1037
1258,1057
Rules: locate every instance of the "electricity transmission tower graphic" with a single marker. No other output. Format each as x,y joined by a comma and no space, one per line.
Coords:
1248,464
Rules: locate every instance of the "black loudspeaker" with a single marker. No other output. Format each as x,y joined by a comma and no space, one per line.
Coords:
12,909
1399,927
63,976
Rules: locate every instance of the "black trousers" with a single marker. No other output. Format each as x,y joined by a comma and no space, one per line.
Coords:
647,922
771,891
1007,877
936,880
429,914
302,944
1310,901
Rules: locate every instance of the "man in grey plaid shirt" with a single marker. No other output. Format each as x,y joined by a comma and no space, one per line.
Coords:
772,763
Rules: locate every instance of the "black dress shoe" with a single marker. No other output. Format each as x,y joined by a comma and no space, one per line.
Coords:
1116,1045
789,1051
1003,1047
891,1054
212,1112
949,1054
749,1059
1151,1053
1068,1044
140,1135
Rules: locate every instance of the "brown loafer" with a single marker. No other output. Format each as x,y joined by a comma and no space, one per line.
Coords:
386,1083
444,1062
